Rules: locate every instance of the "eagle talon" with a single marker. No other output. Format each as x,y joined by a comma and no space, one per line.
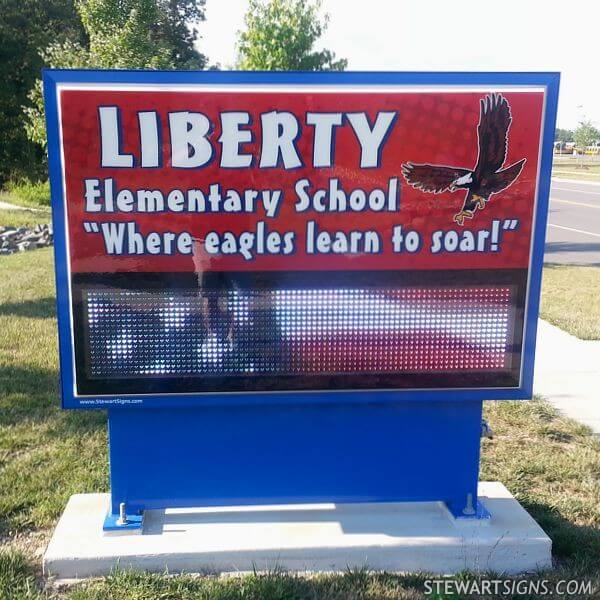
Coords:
480,201
459,218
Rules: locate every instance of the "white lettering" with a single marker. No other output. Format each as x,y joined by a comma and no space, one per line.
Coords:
371,139
190,147
279,132
110,139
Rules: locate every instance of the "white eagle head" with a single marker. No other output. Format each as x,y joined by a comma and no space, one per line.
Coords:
463,181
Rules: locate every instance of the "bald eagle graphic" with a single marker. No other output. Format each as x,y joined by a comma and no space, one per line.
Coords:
488,177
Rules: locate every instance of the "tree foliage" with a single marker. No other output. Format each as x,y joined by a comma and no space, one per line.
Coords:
26,26
135,34
585,135
281,35
67,55
177,25
563,135
127,33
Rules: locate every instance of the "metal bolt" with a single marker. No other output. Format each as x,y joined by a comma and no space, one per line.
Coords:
122,520
469,509
486,430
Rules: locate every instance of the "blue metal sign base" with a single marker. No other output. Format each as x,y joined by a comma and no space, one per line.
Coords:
273,454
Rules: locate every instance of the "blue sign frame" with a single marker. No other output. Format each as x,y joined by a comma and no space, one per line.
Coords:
53,78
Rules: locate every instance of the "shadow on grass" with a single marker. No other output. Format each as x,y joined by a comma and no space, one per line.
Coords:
44,308
576,545
32,395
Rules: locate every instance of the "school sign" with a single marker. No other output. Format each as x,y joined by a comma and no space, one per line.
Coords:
263,259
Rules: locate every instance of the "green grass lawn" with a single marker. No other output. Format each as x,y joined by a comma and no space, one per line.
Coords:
573,169
551,464
46,454
27,193
23,218
571,299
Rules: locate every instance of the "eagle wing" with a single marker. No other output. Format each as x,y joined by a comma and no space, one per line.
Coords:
492,132
502,179
431,178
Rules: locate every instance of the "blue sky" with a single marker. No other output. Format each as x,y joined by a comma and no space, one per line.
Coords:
501,35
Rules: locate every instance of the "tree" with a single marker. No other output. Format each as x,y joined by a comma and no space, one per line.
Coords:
142,33
135,34
585,135
67,55
563,135
26,26
177,26
281,35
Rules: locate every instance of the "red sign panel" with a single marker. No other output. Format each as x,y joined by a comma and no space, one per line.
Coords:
280,180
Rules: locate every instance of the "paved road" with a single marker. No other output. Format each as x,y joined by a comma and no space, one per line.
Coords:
573,235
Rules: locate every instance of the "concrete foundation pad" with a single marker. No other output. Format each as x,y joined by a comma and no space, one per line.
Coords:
310,537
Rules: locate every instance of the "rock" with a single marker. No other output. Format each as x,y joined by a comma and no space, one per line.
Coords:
9,235
23,239
30,237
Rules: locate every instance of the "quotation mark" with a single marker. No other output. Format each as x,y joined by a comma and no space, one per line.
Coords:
91,227
510,224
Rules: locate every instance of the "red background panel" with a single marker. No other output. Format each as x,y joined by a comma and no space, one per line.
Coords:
432,127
